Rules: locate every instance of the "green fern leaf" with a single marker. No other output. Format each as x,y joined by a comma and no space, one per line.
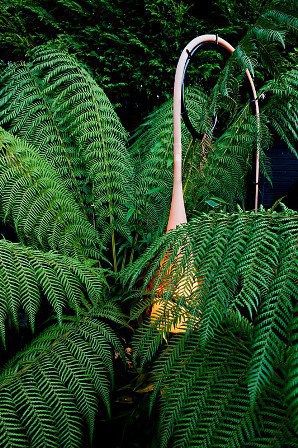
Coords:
26,274
27,111
53,386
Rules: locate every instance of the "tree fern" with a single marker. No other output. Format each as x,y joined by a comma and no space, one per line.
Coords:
69,186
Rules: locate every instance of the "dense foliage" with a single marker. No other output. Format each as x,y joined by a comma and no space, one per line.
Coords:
83,208
234,368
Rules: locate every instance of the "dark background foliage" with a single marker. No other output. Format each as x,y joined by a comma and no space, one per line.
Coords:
131,46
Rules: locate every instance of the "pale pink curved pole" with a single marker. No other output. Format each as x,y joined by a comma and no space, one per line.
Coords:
177,212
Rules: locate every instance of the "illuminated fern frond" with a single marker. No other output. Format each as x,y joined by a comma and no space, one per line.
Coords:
52,388
26,274
43,212
236,261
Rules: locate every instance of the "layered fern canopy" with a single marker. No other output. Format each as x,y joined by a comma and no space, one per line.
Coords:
84,209
64,192
70,121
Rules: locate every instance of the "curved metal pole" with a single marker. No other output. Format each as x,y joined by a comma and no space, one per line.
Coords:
177,212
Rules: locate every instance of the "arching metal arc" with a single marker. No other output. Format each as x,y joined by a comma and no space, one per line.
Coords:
177,212
162,310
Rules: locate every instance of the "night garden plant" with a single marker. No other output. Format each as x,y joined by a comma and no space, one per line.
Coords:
84,208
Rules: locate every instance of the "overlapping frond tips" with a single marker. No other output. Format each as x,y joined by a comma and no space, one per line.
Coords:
27,274
50,391
33,198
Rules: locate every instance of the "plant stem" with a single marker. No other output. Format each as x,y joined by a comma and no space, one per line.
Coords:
133,247
114,251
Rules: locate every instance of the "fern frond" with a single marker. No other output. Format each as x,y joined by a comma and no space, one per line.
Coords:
204,396
263,34
170,356
281,19
52,387
258,262
274,316
292,375
147,341
26,274
42,210
228,164
28,113
12,433
281,108
202,380
84,112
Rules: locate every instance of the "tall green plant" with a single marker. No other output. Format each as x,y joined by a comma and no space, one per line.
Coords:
79,203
